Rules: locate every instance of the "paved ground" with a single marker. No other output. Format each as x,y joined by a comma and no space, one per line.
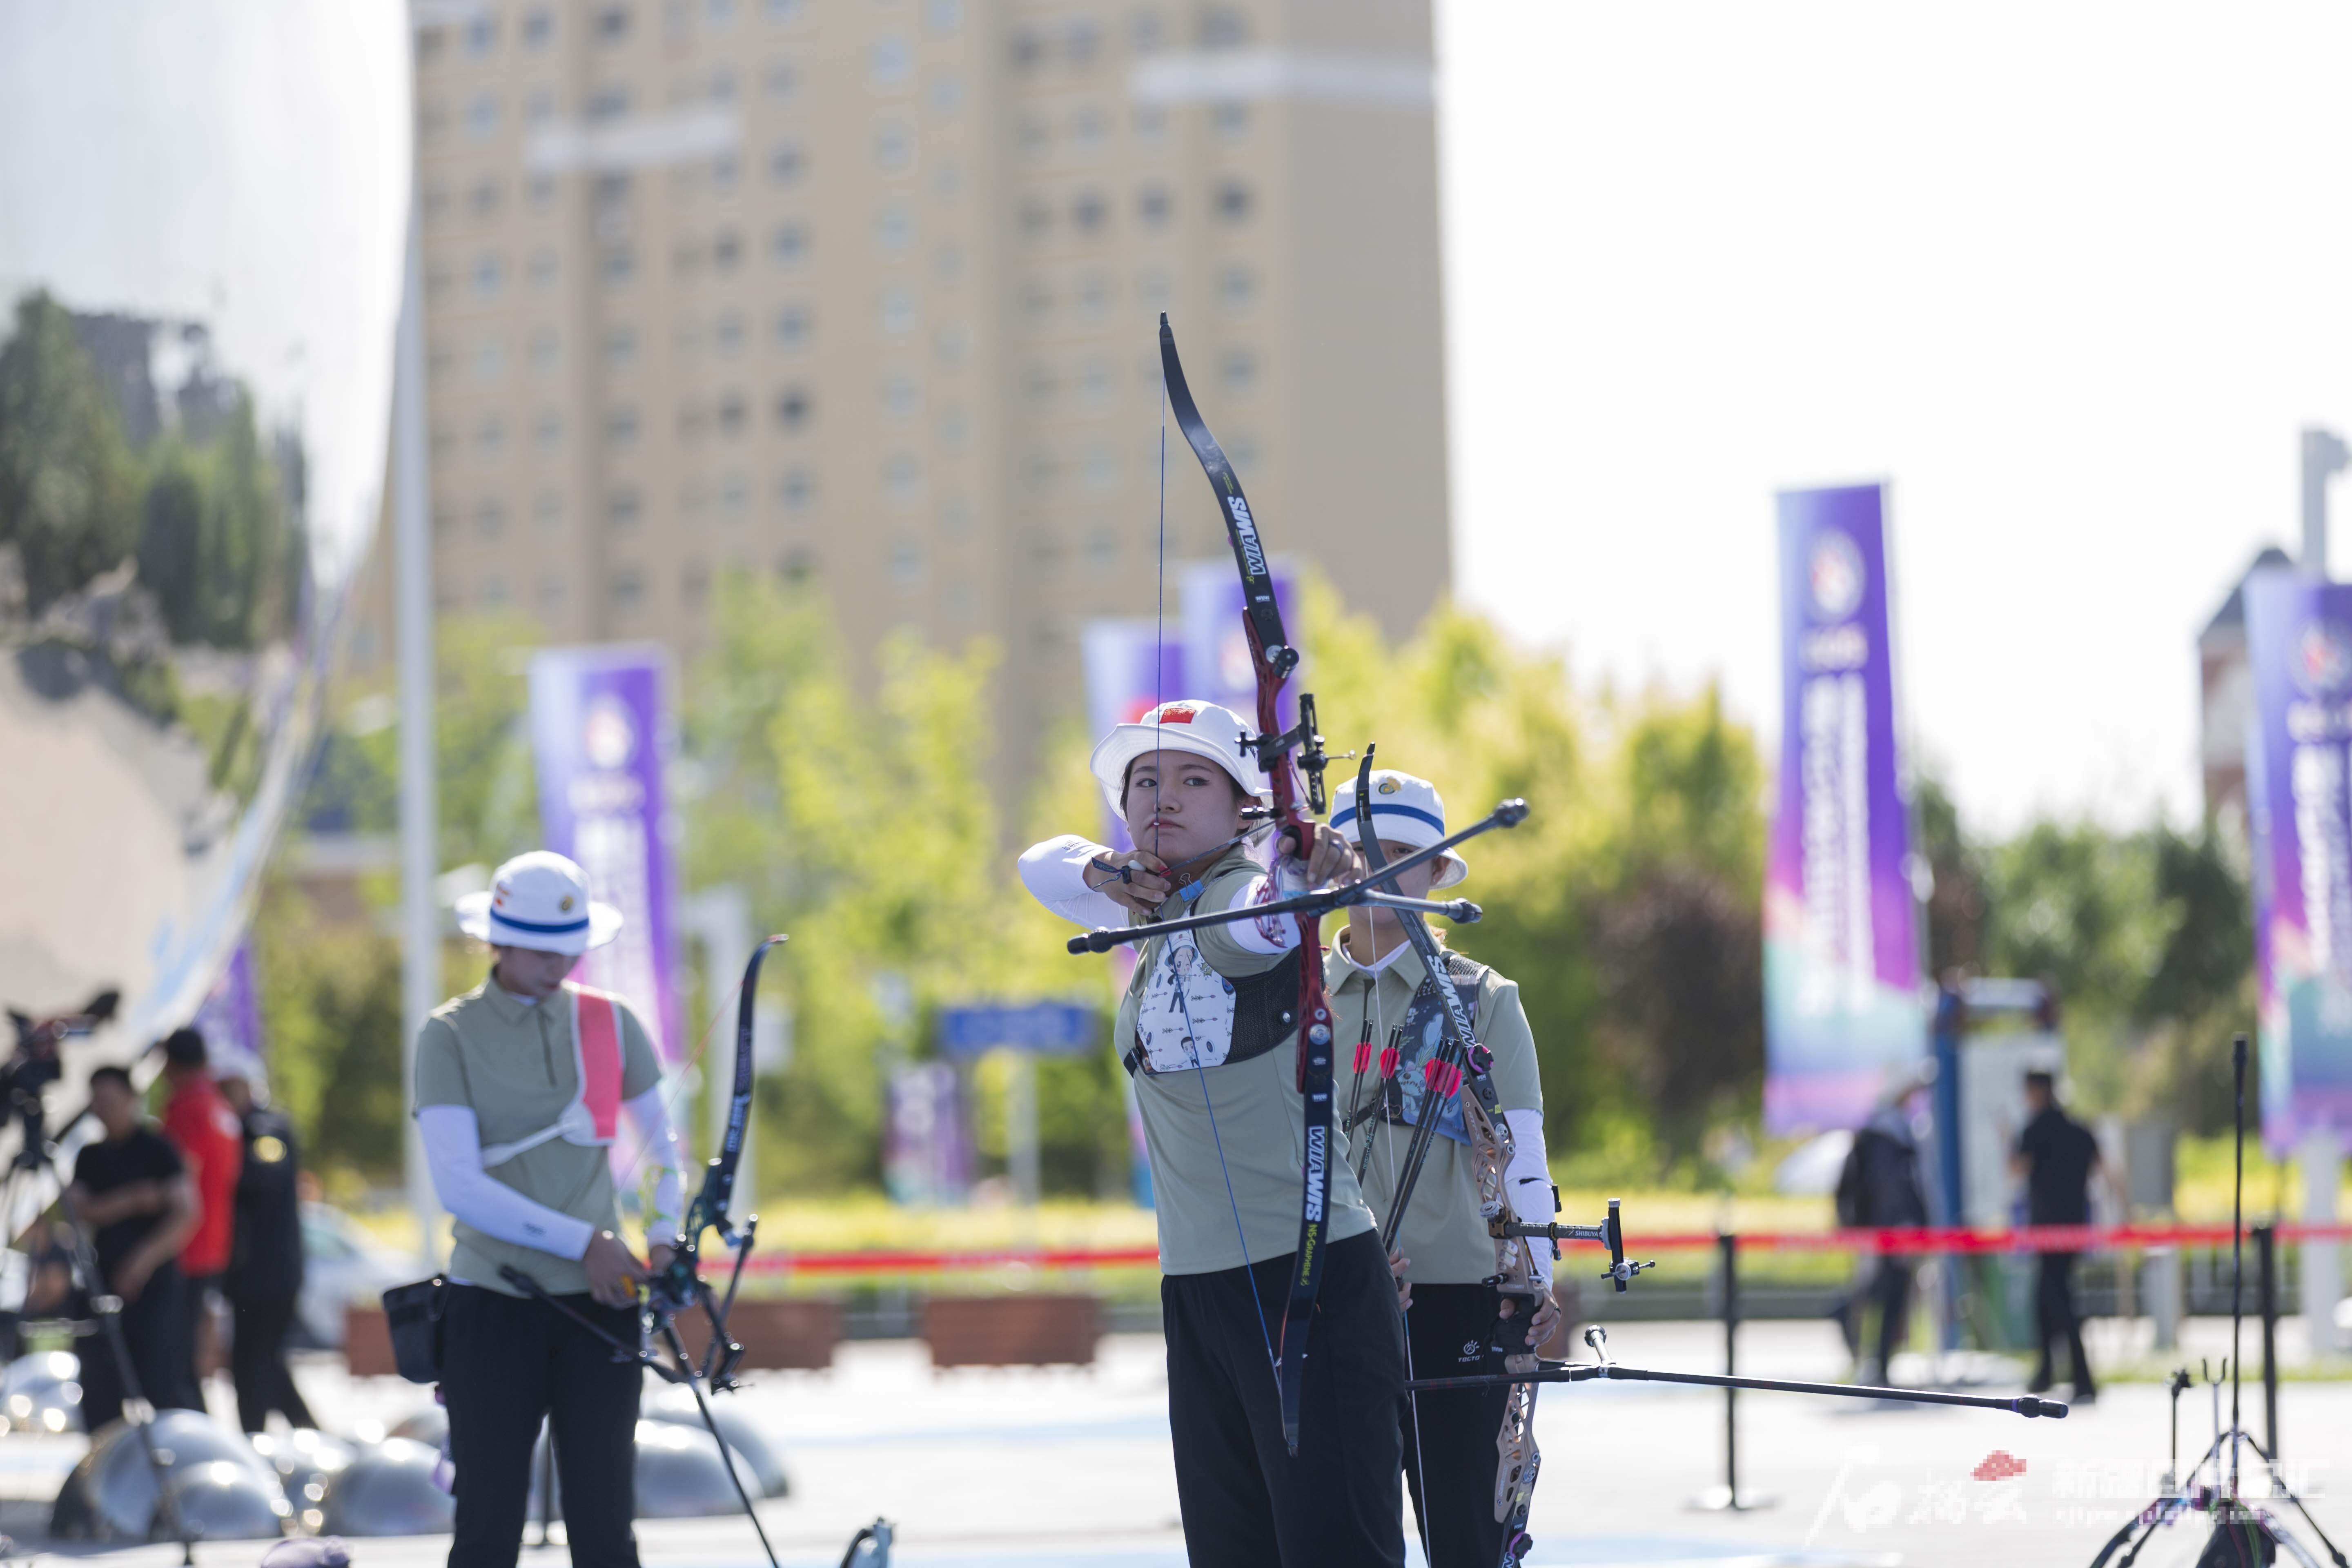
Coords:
987,1469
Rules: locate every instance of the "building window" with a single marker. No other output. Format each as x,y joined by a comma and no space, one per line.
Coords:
734,499
1223,28
613,24
609,103
955,520
1240,369
1086,127
892,147
547,428
947,94
1087,212
793,409
481,34
785,10
897,312
795,488
894,228
1094,296
905,562
539,107
731,413
726,250
546,351
490,436
547,512
900,396
1081,41
1232,200
778,82
542,266
1102,469
1150,122
542,188
1154,205
445,516
1026,49
1094,384
1235,286
724,170
623,512
951,343
722,87
484,201
1102,549
902,476
620,264
488,271
549,591
494,589
489,359
629,589
953,428
621,426
786,162
1232,119
537,27
694,582
1035,216
792,328
491,518
728,332
620,347
944,15
482,115
890,59
788,244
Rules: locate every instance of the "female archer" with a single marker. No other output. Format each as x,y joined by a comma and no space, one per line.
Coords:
1383,995
520,1085
1207,1032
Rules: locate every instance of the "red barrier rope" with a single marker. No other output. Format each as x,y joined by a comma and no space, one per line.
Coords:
1895,1239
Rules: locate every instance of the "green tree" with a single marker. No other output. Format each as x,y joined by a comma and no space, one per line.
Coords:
68,484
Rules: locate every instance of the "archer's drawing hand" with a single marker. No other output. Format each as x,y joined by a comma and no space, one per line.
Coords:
613,1270
1333,861
1144,888
1398,1264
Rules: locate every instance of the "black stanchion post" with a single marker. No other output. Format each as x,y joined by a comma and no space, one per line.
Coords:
2266,1262
1728,1496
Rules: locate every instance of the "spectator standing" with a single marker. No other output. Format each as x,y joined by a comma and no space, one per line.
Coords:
132,1192
1879,1187
2057,1157
204,1129
265,1267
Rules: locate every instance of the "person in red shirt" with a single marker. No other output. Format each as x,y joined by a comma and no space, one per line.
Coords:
209,1137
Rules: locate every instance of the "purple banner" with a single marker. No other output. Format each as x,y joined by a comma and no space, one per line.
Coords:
927,1151
601,734
1841,1003
2299,643
230,1017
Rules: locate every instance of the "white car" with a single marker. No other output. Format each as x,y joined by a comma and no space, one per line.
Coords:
342,1263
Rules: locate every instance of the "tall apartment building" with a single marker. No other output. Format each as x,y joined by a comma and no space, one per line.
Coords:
866,292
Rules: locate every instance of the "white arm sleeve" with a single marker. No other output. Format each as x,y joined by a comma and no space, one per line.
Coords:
1528,1183
453,1152
1055,872
651,1118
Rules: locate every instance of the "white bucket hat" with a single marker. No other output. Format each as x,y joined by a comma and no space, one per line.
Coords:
1405,810
1202,729
539,901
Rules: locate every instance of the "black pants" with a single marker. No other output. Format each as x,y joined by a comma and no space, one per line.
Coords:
1246,1502
2054,1320
508,1361
256,1360
155,1331
1449,1439
1890,1292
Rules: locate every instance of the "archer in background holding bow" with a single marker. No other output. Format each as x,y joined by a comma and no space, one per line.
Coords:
520,1085
1208,1032
1385,999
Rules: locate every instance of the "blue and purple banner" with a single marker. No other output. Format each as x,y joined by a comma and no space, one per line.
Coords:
1841,1003
601,734
2299,643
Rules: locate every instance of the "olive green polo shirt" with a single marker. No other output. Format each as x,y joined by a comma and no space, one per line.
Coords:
1444,1234
1228,1142
512,1063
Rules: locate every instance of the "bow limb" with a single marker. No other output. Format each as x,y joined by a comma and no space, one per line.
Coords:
1274,658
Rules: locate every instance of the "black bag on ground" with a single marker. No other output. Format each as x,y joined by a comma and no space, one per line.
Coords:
414,1314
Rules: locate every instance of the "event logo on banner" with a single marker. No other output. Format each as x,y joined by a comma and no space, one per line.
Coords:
1129,670
1841,1002
2299,641
600,735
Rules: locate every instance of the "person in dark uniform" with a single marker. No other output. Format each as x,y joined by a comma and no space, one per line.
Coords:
264,1266
2057,1156
1879,1187
132,1191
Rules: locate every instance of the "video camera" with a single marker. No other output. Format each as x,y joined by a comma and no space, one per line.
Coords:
33,1065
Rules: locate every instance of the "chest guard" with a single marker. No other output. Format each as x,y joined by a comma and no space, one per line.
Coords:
1406,1096
594,1117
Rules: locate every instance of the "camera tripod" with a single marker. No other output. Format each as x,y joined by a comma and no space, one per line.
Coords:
35,1158
2245,1533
